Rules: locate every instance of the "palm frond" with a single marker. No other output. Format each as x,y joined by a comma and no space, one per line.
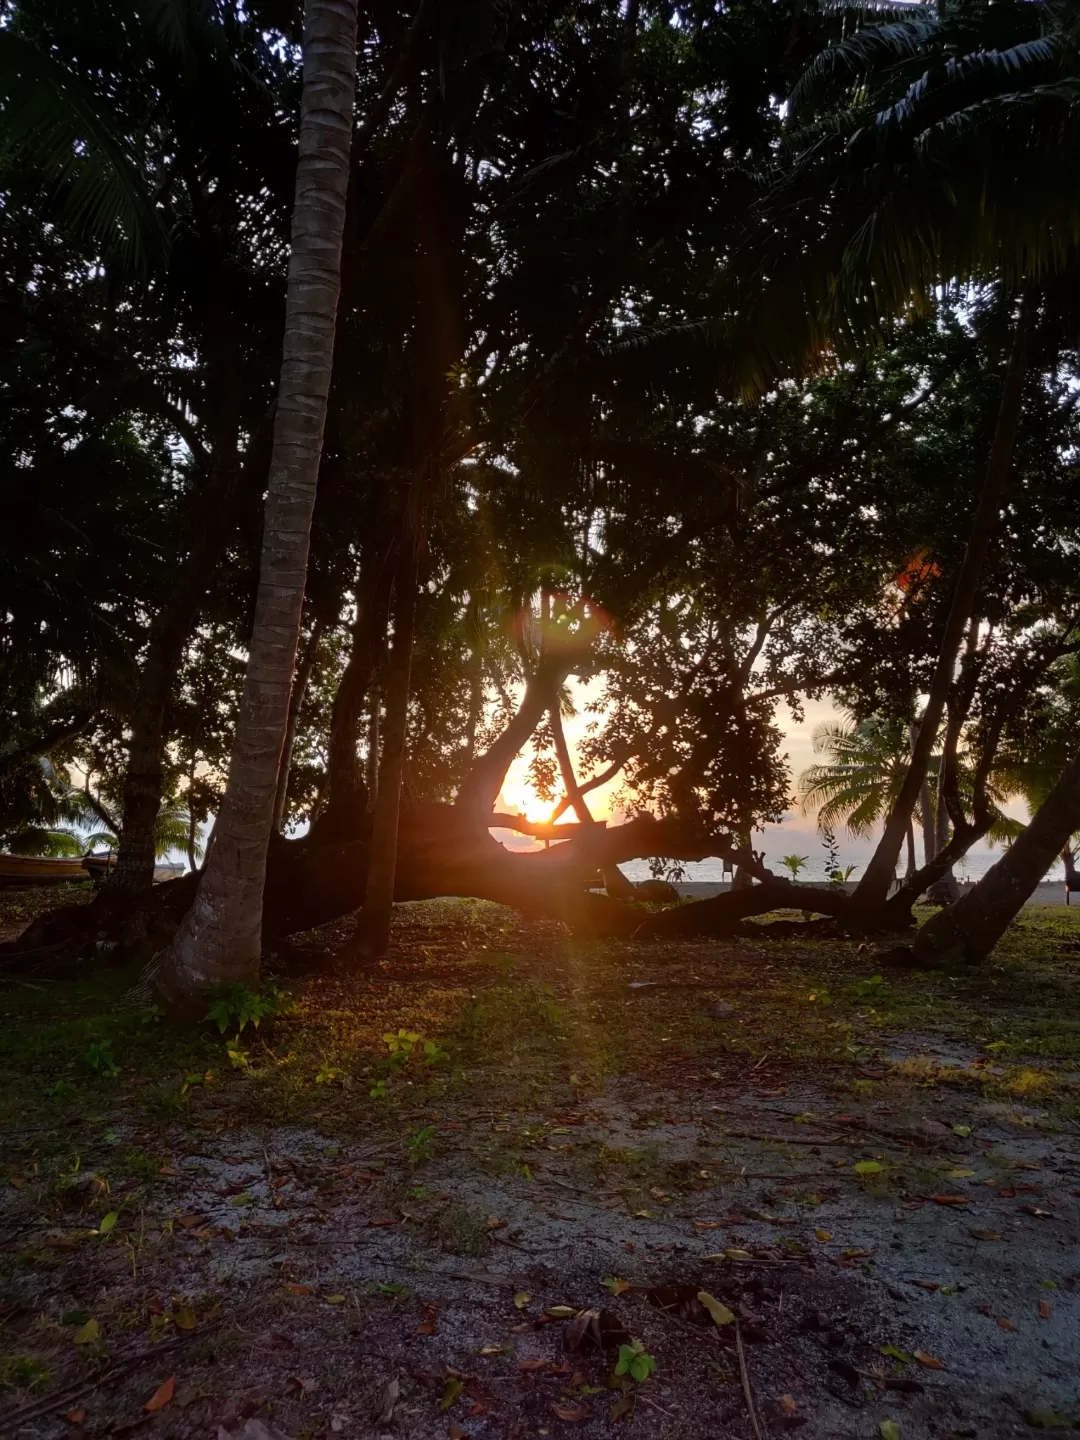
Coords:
51,125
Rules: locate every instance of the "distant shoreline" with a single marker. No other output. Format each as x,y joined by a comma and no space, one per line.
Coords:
1050,892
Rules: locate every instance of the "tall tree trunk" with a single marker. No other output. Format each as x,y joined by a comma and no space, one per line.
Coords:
220,937
212,516
371,769
944,891
871,892
382,866
296,700
926,808
912,863
345,780
969,930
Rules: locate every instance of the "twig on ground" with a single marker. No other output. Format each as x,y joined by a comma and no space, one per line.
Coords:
744,1375
38,1408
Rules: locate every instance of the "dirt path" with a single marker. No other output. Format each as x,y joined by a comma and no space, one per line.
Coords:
889,1212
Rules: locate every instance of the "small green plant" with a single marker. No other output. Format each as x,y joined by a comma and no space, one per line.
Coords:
635,1362
873,986
401,1043
237,1006
24,1372
378,1090
239,1058
794,863
329,1074
99,1059
61,1090
434,1054
421,1145
551,1012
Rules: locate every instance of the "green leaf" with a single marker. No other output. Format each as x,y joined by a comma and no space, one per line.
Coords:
867,1167
962,1130
244,1199
108,1222
720,1313
889,1430
88,1333
895,1354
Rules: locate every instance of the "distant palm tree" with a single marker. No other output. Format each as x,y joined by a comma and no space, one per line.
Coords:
858,785
71,820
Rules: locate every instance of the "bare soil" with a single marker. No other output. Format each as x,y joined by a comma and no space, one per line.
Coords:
876,1175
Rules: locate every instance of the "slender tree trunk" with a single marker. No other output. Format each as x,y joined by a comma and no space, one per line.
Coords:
299,690
213,513
944,891
969,930
344,779
873,888
926,808
382,866
371,769
912,863
220,937
479,790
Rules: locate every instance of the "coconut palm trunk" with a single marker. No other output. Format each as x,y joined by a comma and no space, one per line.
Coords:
220,937
871,892
969,930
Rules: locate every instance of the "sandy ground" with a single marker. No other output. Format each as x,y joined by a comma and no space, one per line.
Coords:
892,1243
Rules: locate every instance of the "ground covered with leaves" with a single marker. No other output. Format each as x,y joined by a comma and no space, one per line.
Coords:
512,1184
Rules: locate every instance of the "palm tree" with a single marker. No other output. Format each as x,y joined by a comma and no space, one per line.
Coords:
863,774
220,938
938,146
55,130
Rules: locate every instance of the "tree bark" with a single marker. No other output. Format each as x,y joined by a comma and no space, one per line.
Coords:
944,890
382,865
968,931
219,938
296,700
872,890
345,783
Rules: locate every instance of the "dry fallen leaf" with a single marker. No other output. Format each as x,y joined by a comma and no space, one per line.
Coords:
950,1199
428,1319
623,1407
455,1432
1044,1310
823,1235
521,1299
294,1289
787,1405
161,1396
451,1391
720,1313
76,1416
88,1333
1004,1322
188,1222
391,1394
572,1413
184,1318
927,1361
